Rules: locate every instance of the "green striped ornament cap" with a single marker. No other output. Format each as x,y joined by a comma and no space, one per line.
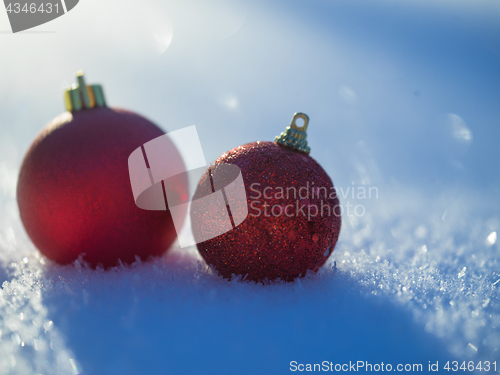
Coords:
81,96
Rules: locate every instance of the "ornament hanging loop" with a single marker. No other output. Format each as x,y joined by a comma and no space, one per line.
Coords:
295,137
303,127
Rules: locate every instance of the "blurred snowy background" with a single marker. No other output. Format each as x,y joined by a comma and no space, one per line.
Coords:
402,95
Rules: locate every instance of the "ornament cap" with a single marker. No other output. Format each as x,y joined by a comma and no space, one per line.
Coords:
82,96
295,136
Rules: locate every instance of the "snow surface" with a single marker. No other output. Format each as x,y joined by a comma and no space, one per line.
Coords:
403,290
402,96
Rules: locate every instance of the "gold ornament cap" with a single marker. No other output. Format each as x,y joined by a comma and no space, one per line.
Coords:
295,136
81,96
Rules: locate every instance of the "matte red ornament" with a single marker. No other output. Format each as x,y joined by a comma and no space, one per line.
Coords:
293,220
74,191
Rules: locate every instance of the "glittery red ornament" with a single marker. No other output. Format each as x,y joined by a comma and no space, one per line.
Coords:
74,191
293,220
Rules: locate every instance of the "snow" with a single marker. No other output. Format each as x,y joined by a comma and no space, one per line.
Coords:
402,97
403,290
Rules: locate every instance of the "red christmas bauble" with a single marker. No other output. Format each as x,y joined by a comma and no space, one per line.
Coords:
74,190
293,220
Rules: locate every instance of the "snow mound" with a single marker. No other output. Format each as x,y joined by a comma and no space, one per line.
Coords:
401,287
